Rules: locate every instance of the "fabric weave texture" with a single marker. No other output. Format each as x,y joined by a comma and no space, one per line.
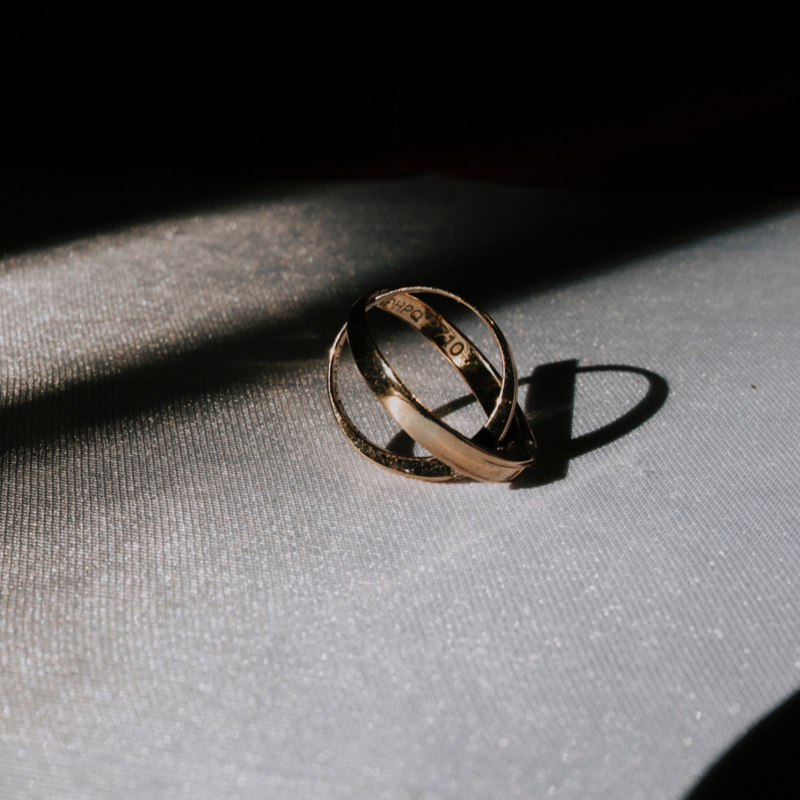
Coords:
205,592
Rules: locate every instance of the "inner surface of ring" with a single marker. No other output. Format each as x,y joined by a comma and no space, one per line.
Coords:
423,373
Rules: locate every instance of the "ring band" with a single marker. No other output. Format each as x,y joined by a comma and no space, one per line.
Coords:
467,457
497,453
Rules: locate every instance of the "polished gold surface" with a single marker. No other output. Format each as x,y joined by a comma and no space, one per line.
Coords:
497,453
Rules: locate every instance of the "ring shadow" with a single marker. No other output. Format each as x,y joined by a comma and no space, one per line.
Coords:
763,763
549,407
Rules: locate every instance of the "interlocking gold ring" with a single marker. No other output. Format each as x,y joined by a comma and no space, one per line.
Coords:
497,453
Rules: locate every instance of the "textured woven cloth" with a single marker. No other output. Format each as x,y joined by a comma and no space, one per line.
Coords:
205,592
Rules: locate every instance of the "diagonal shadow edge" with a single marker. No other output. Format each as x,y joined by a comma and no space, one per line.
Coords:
145,387
44,209
52,208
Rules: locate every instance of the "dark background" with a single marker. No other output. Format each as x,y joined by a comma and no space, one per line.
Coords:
112,119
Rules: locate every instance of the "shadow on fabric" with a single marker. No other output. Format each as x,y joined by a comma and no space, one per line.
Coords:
546,241
763,763
550,405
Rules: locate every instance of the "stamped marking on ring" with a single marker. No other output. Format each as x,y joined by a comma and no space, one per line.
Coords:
420,317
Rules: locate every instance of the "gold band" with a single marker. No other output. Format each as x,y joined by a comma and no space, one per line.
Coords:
497,453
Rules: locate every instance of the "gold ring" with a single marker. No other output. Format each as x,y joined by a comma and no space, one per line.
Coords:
497,453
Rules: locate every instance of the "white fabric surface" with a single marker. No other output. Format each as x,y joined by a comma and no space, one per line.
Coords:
205,592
